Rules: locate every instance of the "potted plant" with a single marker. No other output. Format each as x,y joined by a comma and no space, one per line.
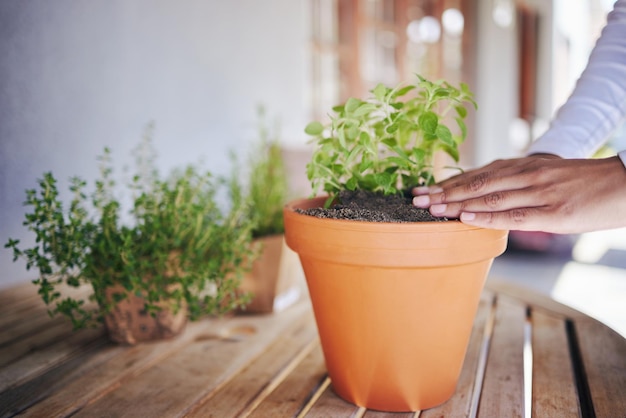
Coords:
271,282
176,254
394,301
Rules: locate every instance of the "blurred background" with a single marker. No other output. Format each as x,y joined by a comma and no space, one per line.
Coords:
78,76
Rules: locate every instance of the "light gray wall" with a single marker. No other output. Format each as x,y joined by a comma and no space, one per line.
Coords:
76,76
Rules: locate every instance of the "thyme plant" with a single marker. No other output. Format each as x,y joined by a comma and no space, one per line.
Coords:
177,245
387,142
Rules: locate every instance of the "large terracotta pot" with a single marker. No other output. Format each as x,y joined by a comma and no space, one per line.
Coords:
394,302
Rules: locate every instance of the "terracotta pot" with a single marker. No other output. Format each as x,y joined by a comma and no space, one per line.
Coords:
129,323
394,303
273,279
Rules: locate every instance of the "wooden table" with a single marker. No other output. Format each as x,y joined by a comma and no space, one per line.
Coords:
272,366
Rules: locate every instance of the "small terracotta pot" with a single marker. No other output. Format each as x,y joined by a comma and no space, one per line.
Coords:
394,302
272,281
129,323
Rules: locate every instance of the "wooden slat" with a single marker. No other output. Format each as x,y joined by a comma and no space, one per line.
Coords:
30,324
31,315
330,405
16,349
291,396
502,394
23,315
13,296
531,298
604,358
377,414
460,403
55,382
189,375
44,358
554,389
106,370
249,387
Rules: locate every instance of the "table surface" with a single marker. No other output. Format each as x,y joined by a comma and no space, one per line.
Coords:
527,353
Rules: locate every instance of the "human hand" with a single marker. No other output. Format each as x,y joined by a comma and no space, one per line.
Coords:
535,193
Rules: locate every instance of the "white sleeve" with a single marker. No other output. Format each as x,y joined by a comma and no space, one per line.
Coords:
598,103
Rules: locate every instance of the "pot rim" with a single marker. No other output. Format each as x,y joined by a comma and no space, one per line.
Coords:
450,225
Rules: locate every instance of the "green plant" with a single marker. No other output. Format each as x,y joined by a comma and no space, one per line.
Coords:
266,187
176,244
387,142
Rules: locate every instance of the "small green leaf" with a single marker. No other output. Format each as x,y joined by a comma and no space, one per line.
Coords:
314,128
365,165
444,134
391,129
404,90
463,129
452,151
390,141
398,161
428,122
352,131
441,92
380,91
430,137
352,104
364,109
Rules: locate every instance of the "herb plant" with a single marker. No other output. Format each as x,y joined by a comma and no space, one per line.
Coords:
266,187
268,184
177,245
387,142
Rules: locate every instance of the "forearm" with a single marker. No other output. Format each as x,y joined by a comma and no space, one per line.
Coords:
598,103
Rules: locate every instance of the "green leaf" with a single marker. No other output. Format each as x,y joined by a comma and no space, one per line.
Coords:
314,128
364,109
365,165
398,161
428,122
461,111
352,104
380,91
463,129
352,131
441,92
391,129
444,134
390,141
452,151
404,90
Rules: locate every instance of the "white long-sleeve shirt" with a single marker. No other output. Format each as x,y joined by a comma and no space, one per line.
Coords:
598,103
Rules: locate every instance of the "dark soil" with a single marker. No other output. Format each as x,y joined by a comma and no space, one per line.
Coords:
373,207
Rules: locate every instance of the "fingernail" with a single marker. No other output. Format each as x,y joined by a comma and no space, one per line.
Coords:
440,208
421,190
421,201
467,216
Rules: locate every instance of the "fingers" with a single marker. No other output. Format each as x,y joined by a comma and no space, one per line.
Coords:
499,201
521,219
